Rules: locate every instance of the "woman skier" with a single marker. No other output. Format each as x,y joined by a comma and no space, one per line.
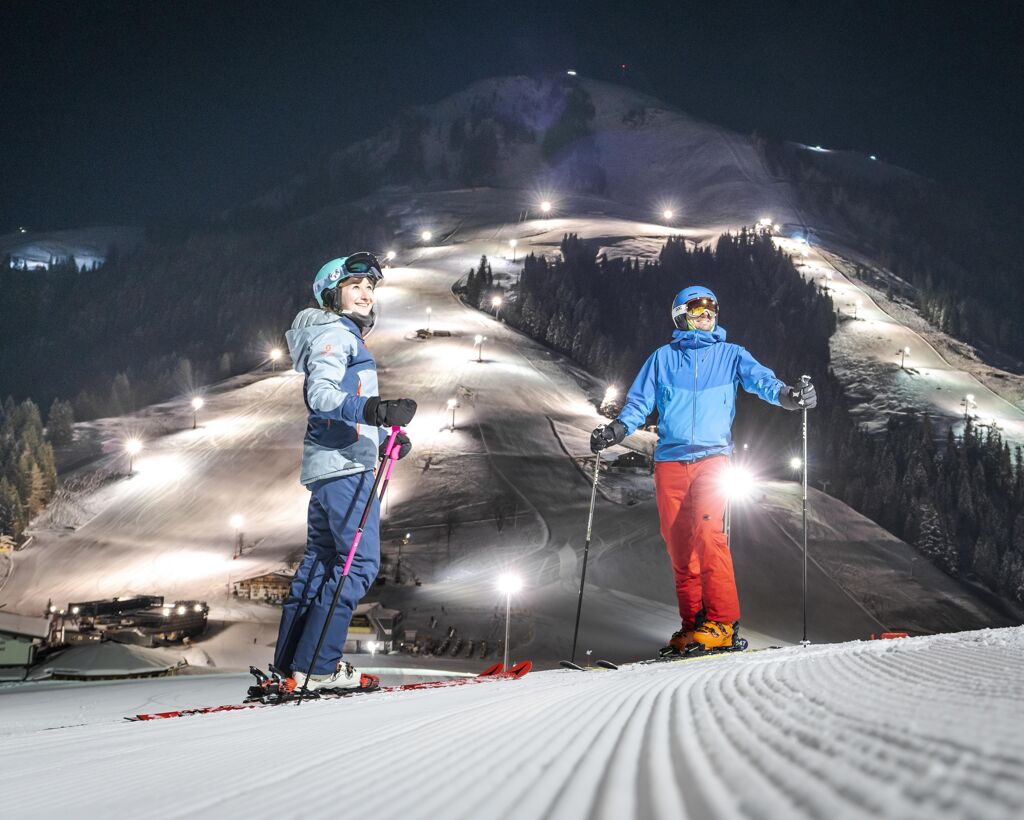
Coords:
342,444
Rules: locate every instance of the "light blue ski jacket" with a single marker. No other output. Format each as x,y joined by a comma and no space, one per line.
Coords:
692,381
340,376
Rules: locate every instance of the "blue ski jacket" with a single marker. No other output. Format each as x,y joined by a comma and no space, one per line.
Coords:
340,376
692,380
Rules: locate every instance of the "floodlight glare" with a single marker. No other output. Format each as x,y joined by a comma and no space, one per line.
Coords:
509,584
738,483
133,446
426,236
796,463
197,403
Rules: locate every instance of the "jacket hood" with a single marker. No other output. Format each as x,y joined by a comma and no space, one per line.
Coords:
305,326
698,338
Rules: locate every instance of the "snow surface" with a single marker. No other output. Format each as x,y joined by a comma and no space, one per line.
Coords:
912,728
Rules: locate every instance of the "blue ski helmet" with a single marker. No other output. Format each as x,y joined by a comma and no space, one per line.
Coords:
336,271
693,296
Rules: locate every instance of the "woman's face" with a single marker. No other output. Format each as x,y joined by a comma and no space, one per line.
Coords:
357,296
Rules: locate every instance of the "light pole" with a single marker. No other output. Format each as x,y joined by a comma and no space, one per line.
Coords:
855,304
275,354
508,584
237,522
512,244
132,447
903,356
968,403
496,304
428,319
197,405
452,404
479,341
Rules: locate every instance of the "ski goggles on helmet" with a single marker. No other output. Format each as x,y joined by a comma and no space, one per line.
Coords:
362,264
701,306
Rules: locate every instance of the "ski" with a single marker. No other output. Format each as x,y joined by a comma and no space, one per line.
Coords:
495,672
598,665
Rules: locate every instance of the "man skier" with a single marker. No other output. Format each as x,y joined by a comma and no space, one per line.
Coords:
342,444
692,381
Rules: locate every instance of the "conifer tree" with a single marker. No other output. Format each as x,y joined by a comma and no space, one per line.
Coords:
60,422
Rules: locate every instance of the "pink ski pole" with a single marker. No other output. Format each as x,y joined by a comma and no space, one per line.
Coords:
382,477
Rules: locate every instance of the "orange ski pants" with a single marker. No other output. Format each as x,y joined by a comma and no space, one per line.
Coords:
691,506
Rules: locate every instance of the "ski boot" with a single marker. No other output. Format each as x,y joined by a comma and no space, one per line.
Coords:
676,645
713,637
682,639
345,679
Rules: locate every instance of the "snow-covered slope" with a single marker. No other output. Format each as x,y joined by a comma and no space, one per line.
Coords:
524,415
920,728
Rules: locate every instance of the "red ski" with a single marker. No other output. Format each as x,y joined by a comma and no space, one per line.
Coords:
495,672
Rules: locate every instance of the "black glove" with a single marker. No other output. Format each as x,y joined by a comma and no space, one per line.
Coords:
402,442
799,397
393,413
606,435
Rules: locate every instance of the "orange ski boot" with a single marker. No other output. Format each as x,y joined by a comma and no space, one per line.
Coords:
714,635
680,639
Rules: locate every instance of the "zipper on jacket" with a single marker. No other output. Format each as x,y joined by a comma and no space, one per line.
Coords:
693,429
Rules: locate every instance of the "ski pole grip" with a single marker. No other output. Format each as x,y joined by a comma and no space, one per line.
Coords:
391,441
391,456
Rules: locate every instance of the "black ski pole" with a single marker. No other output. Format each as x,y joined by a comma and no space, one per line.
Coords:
805,380
586,552
383,474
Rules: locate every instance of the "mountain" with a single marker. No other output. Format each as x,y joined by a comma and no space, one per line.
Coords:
556,136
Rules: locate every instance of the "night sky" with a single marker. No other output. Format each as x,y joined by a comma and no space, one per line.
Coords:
132,113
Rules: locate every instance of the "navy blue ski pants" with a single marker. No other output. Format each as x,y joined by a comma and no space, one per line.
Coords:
335,507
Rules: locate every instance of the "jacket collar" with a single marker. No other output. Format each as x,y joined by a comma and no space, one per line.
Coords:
698,338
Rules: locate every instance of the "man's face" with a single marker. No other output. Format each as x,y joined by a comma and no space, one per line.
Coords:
357,296
705,321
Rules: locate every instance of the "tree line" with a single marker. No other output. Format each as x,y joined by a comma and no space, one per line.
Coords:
28,474
184,309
